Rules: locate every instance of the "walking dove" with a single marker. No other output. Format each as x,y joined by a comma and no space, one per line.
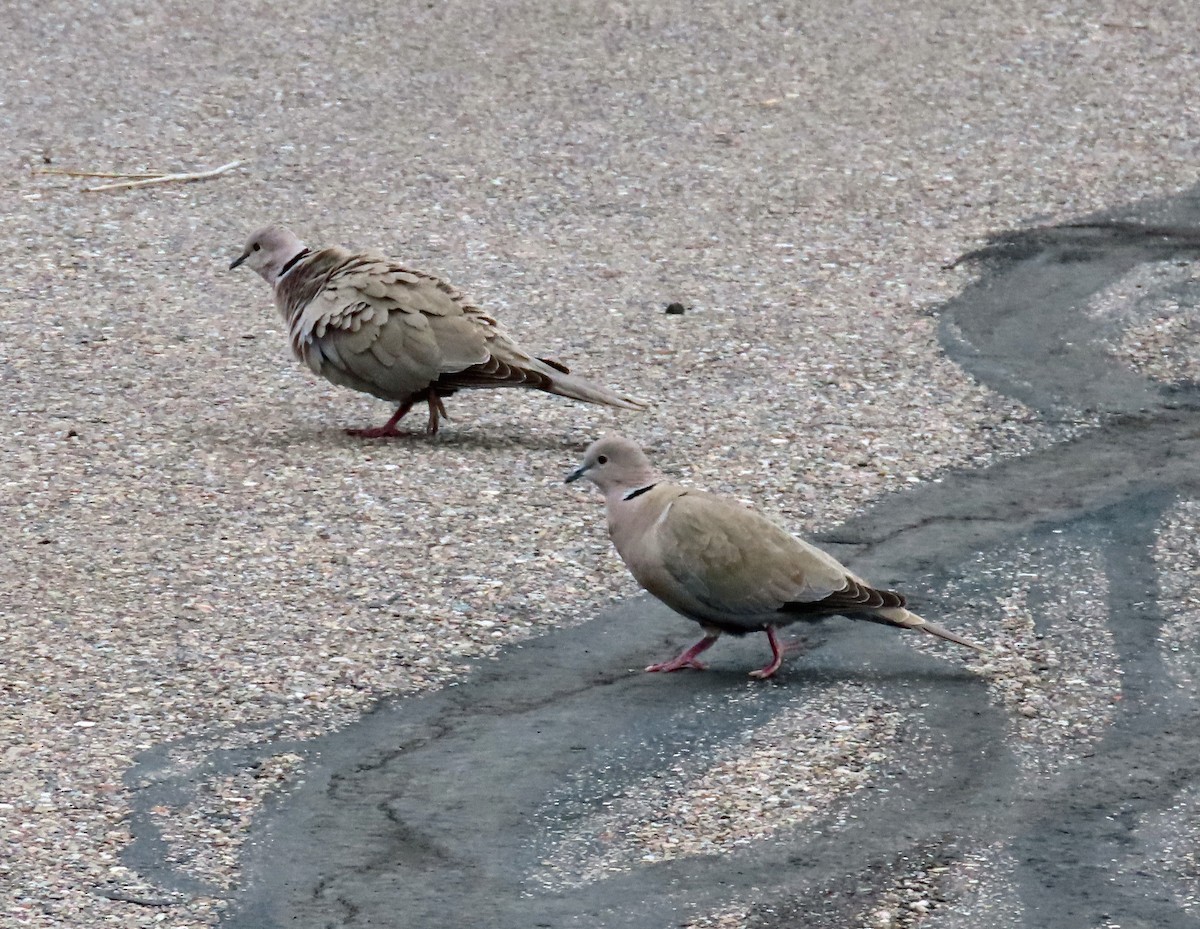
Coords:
366,322
723,565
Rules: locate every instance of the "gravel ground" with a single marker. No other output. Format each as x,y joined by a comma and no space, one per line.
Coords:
1175,836
791,771
195,548
979,884
1158,335
1175,833
1178,562
1050,660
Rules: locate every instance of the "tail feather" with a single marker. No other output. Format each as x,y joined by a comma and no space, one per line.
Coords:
906,619
578,388
538,373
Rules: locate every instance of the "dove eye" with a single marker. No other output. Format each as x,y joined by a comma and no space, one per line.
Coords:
603,459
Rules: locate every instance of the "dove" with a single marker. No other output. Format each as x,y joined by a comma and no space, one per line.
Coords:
367,322
724,565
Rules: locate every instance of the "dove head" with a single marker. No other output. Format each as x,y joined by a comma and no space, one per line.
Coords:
615,465
269,251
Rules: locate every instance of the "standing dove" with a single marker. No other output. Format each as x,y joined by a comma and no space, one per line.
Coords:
366,322
724,565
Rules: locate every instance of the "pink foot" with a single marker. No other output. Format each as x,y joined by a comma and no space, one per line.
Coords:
777,652
686,659
388,430
677,664
380,432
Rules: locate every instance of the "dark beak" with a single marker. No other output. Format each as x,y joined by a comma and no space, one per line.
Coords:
576,474
237,261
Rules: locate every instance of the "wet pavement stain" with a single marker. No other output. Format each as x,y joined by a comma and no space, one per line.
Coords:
440,810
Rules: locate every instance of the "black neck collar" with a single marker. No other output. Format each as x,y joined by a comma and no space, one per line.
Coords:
291,261
639,491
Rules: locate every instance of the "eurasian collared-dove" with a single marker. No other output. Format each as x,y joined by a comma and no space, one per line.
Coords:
367,322
723,565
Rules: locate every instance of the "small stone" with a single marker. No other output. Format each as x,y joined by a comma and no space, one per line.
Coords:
676,309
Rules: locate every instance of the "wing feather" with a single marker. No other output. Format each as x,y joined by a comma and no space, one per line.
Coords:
367,322
738,563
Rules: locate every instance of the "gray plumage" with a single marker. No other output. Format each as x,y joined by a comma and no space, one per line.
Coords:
723,565
366,322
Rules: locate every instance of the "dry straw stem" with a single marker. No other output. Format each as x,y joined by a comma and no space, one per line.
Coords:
142,180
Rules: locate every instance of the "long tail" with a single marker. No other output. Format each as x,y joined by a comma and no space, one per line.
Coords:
579,388
539,373
906,619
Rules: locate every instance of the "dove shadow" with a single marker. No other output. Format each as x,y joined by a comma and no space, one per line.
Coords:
308,435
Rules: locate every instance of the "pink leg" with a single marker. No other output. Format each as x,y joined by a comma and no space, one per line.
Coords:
776,655
686,659
388,430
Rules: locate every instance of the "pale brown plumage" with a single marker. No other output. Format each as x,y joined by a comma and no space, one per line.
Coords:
724,565
366,322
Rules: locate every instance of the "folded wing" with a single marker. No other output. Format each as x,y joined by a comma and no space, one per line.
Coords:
742,566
